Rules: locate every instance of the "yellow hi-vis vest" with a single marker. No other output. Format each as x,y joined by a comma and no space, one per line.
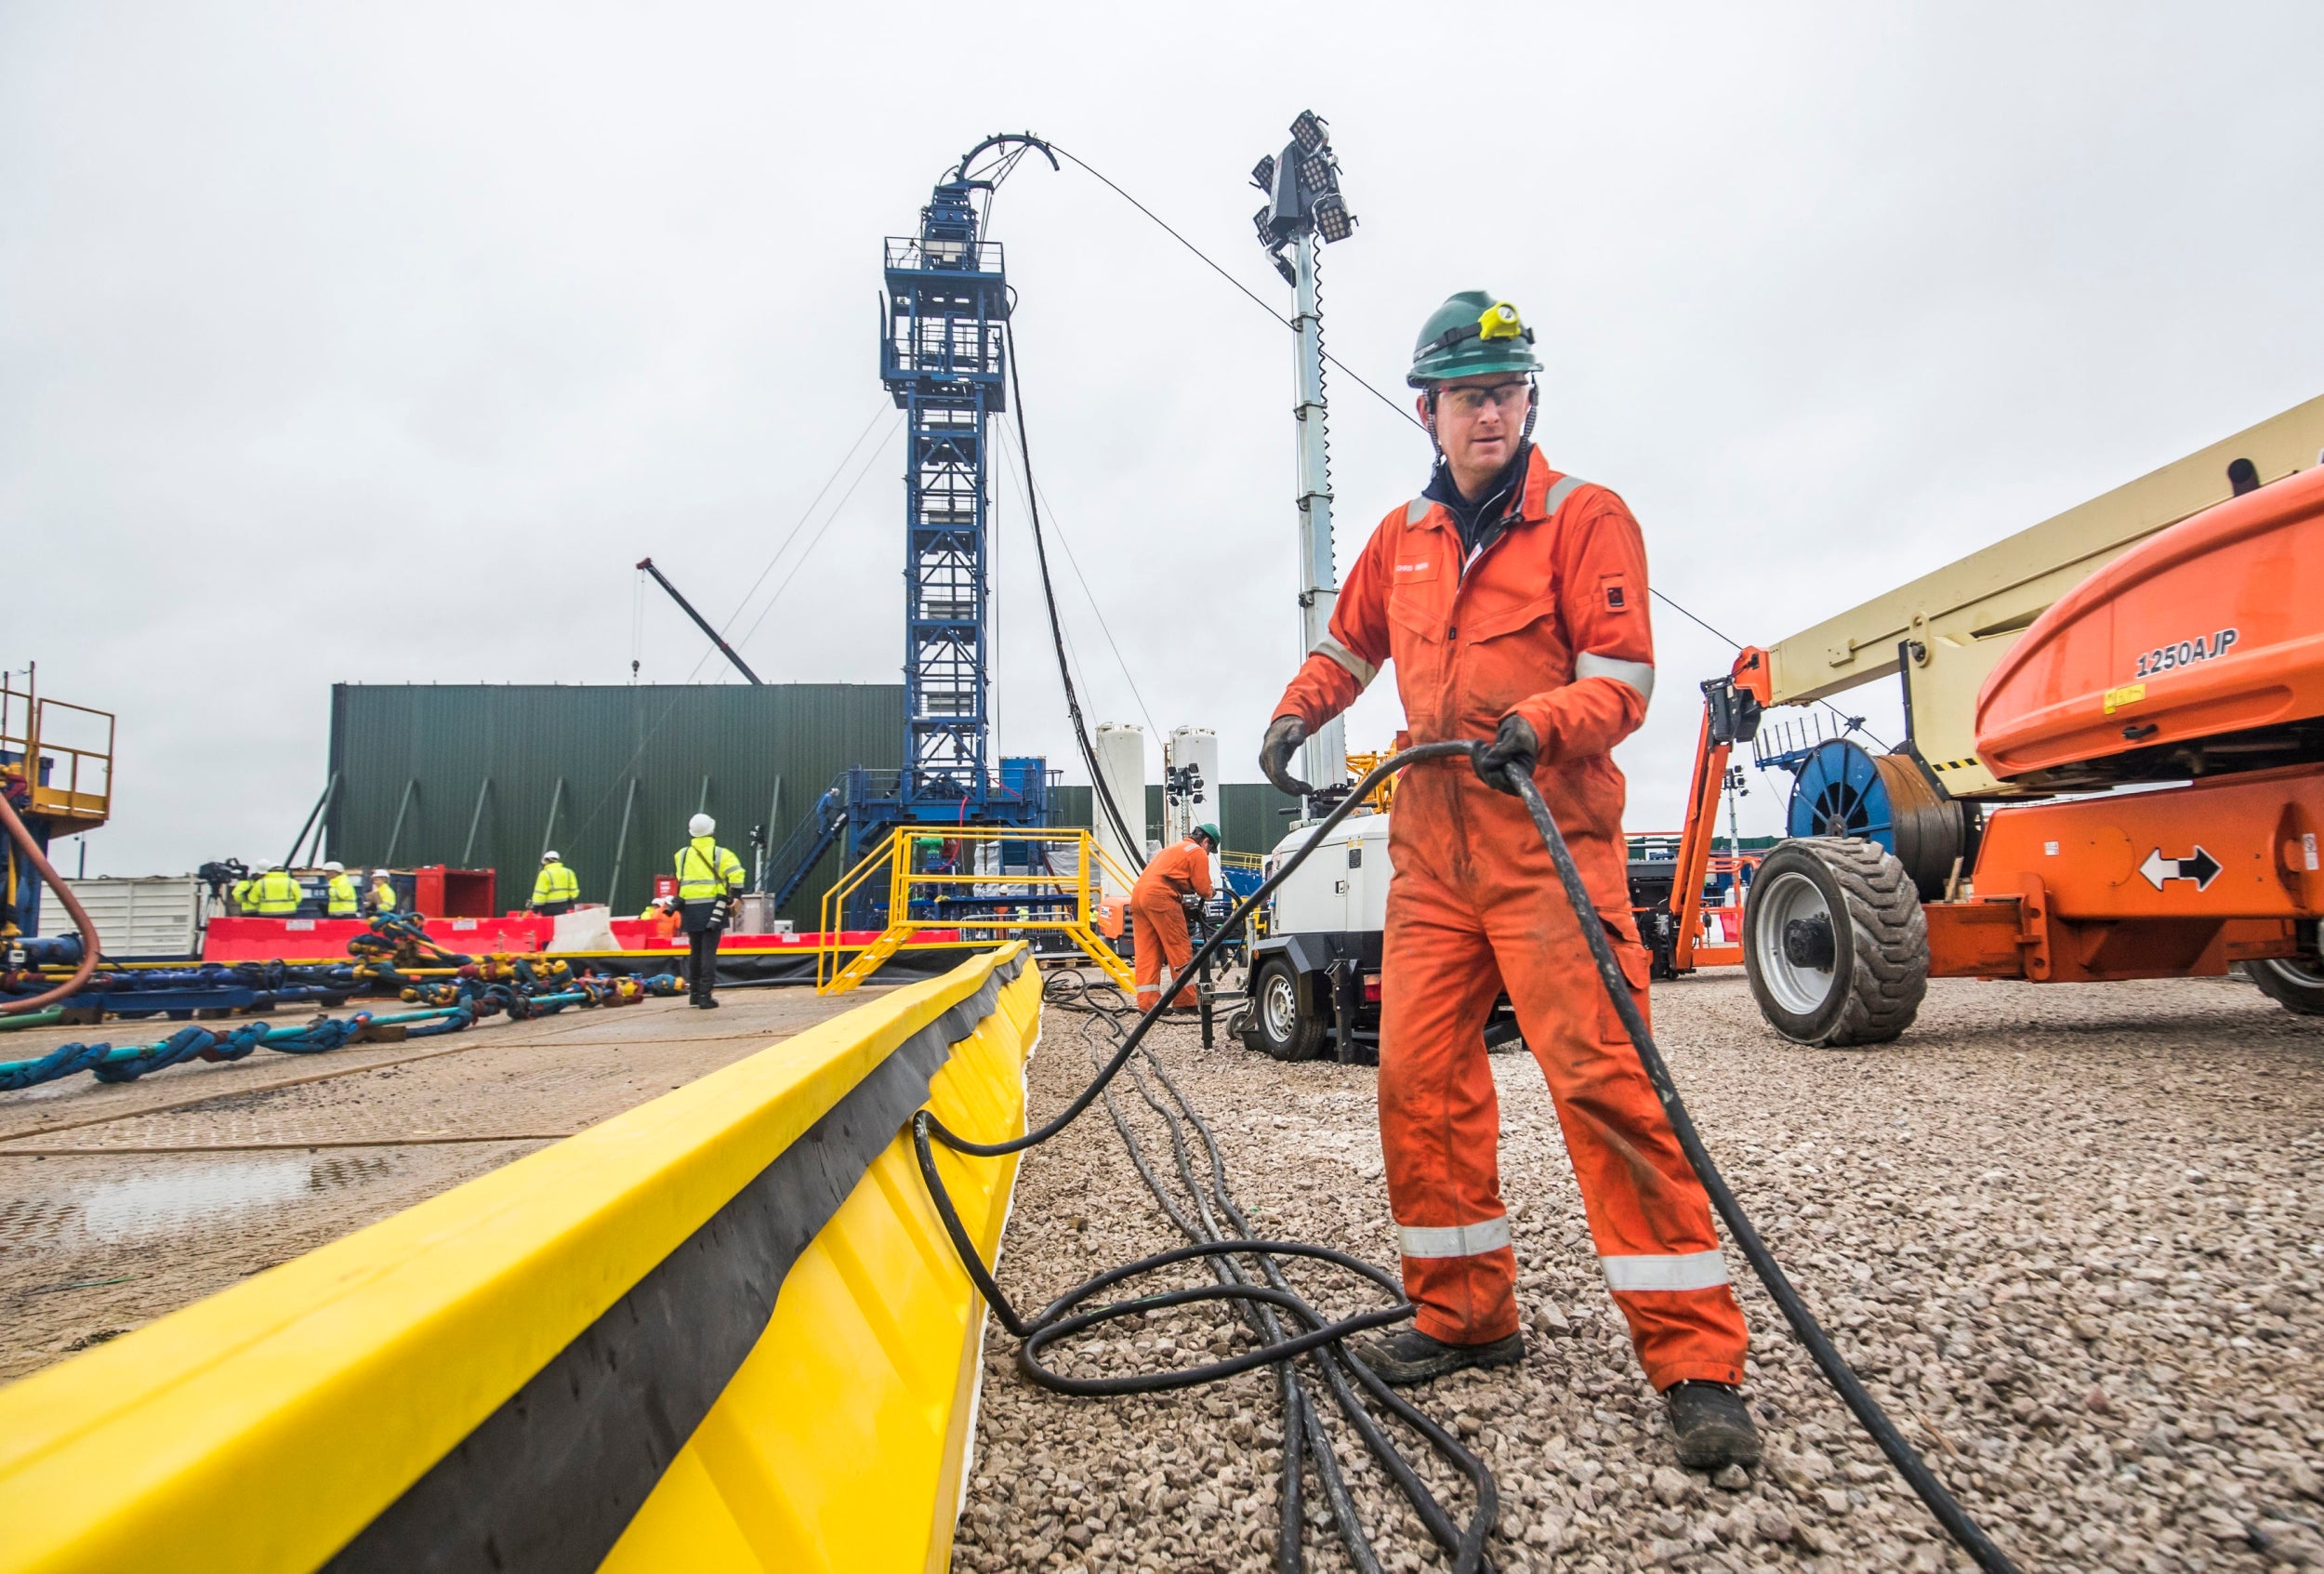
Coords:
383,896
343,900
706,871
555,883
276,893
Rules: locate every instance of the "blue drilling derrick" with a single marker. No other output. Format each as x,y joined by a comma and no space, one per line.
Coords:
943,358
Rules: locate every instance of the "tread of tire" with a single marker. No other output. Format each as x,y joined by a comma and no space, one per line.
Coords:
1891,974
2300,999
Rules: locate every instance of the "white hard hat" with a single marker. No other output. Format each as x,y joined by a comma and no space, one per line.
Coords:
549,856
380,874
335,867
701,825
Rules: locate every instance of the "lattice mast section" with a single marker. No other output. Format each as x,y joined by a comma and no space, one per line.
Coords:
941,359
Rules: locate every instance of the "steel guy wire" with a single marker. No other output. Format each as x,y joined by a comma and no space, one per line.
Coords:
726,628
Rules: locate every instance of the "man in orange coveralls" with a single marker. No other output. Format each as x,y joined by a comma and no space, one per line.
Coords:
1157,914
1511,599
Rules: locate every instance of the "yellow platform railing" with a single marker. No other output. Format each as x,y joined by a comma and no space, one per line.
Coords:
1062,898
70,783
723,1332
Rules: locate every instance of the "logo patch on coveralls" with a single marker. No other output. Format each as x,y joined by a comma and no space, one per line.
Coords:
1416,571
1616,590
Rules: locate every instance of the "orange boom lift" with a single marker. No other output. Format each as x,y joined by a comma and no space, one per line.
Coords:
2167,637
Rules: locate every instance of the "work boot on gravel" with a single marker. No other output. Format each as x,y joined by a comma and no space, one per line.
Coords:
1400,1359
1712,1425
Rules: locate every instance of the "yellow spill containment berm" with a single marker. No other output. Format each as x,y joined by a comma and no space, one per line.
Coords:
721,1331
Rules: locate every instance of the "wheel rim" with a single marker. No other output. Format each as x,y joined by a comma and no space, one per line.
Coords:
1790,896
1279,1007
2304,976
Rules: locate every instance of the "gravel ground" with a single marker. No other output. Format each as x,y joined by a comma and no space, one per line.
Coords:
2069,1235
96,1241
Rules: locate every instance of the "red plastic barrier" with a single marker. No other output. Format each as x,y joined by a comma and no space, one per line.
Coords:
321,940
324,940
639,935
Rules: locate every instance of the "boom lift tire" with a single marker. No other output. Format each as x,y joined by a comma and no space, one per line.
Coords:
1284,1020
2294,982
1835,942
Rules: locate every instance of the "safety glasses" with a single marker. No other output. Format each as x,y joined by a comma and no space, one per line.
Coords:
1507,397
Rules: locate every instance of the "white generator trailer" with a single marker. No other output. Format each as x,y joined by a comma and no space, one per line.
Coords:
1314,975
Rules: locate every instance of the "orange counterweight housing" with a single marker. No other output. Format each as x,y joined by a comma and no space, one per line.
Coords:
2198,652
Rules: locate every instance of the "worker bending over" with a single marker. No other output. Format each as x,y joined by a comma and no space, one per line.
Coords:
1511,599
1157,914
340,899
383,898
708,878
276,893
556,888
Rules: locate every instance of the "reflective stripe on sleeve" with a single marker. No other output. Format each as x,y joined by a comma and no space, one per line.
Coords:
1688,1270
1332,649
1454,1240
1555,497
1639,675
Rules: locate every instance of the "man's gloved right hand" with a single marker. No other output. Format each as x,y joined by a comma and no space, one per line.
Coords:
1285,734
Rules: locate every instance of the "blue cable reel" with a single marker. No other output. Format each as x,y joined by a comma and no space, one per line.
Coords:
1840,788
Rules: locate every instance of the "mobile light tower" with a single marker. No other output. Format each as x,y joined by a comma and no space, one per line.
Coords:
1304,212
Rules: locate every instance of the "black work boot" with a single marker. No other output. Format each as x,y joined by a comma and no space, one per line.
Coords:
1400,1359
1712,1425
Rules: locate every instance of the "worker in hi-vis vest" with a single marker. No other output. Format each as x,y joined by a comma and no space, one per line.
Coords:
1510,599
556,888
383,898
276,893
340,897
708,876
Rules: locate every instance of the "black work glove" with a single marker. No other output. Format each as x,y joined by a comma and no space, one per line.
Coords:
1285,734
1512,748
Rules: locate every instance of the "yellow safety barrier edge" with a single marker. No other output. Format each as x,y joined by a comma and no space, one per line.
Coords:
721,1331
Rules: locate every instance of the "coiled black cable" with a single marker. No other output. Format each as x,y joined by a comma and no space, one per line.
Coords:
1052,1322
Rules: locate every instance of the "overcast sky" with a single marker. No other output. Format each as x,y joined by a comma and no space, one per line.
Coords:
376,344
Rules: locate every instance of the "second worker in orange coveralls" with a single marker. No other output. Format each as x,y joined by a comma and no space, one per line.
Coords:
1157,914
1511,600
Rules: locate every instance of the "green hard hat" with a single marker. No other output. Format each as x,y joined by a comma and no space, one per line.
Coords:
1472,333
1207,829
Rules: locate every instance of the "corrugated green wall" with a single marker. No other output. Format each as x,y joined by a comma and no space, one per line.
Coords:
1249,812
429,750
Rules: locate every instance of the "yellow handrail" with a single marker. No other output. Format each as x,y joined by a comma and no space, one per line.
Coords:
1088,870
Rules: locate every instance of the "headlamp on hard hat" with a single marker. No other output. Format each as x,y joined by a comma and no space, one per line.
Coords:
1499,321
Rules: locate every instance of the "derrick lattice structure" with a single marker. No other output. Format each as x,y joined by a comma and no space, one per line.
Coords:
942,359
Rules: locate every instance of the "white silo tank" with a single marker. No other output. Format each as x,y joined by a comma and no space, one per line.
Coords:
1122,749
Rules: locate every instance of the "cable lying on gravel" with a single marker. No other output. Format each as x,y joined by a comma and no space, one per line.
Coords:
1054,1321
1302,1430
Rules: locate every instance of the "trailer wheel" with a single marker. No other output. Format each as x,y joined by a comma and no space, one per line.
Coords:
1283,1022
2294,982
1835,942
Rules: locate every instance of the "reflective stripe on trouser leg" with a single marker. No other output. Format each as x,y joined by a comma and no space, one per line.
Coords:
1454,1240
1439,1119
1681,1270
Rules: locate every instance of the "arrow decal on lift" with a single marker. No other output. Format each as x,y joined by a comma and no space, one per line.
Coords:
2198,867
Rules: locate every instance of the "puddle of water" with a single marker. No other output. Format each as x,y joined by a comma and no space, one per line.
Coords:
201,1194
